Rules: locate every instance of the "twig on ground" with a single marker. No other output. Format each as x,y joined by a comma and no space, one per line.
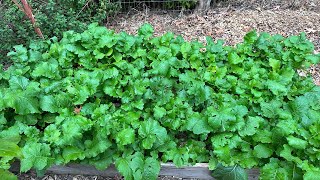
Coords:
83,8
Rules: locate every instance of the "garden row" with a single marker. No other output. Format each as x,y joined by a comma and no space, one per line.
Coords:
19,20
99,97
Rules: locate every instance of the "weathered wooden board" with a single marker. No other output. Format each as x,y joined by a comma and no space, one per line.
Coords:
198,171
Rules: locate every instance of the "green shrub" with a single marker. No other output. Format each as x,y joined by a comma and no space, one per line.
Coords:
52,16
181,4
99,97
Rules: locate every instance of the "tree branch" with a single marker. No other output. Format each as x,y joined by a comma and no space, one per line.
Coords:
28,12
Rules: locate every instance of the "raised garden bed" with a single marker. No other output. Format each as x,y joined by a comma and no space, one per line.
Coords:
103,98
198,171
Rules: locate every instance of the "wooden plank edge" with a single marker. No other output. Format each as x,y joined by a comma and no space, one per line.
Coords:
198,171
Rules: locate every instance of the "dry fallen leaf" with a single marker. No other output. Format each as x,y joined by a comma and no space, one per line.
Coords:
77,109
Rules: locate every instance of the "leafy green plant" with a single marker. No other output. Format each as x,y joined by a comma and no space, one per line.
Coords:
99,97
9,150
52,16
230,173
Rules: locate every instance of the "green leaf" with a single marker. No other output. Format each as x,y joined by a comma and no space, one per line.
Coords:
20,54
98,54
35,155
3,120
312,175
11,134
102,162
234,58
276,87
230,173
213,163
8,148
125,136
150,132
220,119
145,31
297,142
314,59
252,126
136,165
159,112
287,126
7,175
31,119
287,154
123,167
18,83
197,124
148,142
72,153
250,37
262,151
273,170
179,156
48,103
151,168
275,64
270,109
111,73
97,146
106,41
185,49
46,69
263,136
224,154
23,102
52,134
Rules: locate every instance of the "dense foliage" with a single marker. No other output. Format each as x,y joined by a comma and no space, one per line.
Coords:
99,97
52,16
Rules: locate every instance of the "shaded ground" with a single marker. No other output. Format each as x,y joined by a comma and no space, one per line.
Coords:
230,21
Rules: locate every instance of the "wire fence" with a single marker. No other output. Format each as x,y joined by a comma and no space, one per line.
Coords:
167,5
158,5
129,5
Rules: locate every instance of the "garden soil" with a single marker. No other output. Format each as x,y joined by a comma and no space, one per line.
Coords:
228,21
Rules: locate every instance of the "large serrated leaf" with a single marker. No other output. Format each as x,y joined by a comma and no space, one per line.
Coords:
7,175
230,173
8,148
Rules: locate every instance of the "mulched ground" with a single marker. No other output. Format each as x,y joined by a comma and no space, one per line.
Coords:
228,21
